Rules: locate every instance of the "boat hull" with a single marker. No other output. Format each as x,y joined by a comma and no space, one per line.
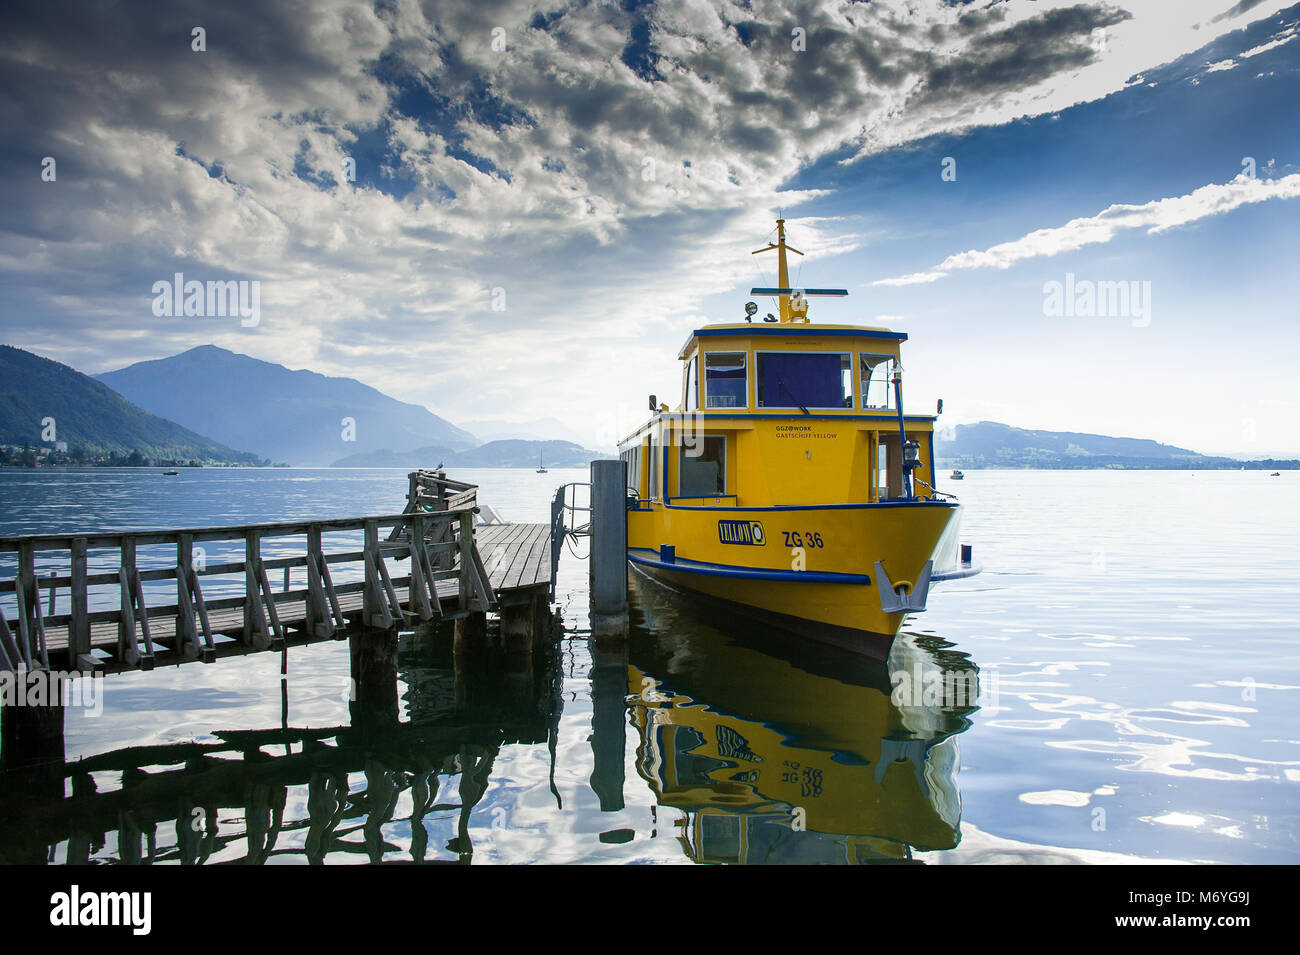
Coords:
797,629
822,588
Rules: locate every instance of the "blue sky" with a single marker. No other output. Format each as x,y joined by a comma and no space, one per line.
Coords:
549,196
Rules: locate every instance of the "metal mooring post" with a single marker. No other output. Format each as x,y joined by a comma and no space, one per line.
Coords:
609,547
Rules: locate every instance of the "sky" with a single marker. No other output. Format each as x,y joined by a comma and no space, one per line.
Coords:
515,210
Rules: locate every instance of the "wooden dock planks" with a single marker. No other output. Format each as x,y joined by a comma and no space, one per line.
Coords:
516,556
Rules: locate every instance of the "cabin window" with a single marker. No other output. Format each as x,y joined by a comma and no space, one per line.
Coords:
877,381
702,467
632,457
805,380
654,468
882,472
724,380
692,401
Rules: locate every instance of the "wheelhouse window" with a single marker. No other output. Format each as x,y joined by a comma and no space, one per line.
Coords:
692,400
702,467
805,380
724,380
654,467
877,380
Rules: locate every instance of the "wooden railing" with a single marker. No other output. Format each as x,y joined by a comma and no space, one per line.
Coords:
434,494
124,593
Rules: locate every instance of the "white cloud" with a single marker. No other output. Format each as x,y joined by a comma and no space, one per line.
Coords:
1286,35
1156,216
914,278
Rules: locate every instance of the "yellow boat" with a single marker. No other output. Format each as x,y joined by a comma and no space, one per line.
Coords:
788,483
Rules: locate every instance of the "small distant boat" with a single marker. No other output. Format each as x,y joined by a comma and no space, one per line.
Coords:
956,476
171,472
540,468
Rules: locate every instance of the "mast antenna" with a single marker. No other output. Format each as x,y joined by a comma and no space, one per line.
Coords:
782,268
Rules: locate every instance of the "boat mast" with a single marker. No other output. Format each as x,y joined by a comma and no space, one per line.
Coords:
782,268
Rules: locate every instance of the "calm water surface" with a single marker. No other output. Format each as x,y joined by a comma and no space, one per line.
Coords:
1129,653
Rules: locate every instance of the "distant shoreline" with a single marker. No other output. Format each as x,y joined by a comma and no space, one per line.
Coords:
965,468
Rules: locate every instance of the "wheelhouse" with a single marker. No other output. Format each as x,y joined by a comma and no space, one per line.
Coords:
782,414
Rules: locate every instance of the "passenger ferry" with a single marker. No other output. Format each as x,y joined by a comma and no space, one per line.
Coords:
789,484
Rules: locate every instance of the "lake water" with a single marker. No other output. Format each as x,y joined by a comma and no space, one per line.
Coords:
1124,677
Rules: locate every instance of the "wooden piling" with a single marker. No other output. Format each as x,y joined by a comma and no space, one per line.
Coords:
373,657
517,626
31,763
608,560
471,634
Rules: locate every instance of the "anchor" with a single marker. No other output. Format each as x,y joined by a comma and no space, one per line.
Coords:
903,597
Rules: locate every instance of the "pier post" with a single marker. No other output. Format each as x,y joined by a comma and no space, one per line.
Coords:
609,547
373,702
522,623
471,634
31,764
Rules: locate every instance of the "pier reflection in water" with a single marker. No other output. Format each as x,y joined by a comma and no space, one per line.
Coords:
378,789
794,754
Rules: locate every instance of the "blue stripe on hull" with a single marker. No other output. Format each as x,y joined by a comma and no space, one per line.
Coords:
649,558
738,508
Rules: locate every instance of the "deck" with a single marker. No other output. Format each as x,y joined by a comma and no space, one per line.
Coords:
517,557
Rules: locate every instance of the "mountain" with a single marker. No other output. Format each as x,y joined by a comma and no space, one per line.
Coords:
524,454
429,458
989,444
296,416
538,429
91,415
494,454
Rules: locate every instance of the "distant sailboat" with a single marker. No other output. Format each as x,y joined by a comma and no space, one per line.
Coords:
540,469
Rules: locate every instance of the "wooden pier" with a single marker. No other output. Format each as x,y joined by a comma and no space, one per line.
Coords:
133,600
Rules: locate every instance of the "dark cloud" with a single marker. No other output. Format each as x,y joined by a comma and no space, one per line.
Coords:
1023,54
1237,10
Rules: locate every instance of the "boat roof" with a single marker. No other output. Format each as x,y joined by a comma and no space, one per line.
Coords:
787,329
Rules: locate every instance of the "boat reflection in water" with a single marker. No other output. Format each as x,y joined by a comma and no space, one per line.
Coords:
801,755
